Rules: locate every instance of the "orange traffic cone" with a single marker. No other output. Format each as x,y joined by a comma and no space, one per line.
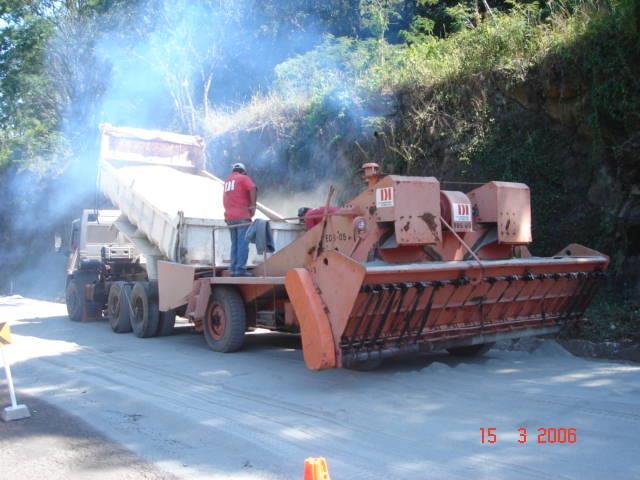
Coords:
316,469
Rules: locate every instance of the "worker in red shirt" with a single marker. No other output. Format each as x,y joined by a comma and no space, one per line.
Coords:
313,216
239,200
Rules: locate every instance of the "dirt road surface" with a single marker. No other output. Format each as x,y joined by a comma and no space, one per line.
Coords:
257,414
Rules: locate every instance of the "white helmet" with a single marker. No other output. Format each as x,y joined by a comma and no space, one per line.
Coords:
239,166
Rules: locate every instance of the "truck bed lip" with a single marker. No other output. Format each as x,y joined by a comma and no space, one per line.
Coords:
247,280
471,264
428,266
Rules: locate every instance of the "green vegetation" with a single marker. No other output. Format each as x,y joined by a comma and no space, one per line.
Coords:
511,42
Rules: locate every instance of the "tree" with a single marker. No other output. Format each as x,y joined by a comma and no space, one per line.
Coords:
27,104
377,16
187,48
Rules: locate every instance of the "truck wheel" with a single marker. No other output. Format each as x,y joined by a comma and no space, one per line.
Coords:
225,320
471,350
146,316
77,304
167,322
74,296
119,307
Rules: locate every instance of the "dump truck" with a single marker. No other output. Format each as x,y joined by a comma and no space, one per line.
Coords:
166,206
404,267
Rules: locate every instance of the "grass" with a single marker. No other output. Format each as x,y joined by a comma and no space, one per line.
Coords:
271,110
508,43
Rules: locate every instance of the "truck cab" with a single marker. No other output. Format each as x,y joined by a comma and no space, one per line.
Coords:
98,254
93,237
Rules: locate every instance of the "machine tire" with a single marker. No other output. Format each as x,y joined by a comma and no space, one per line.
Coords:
471,350
146,316
119,307
167,322
225,320
76,302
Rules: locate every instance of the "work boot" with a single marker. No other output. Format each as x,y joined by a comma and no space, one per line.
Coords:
244,273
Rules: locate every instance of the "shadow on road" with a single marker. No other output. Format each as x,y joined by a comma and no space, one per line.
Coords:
54,444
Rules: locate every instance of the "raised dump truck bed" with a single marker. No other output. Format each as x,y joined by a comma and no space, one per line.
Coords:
173,215
170,207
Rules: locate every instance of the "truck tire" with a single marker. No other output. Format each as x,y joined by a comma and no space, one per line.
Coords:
119,307
77,304
145,314
225,320
471,350
166,323
74,296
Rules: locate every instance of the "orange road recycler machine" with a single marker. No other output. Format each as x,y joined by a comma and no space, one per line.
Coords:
403,267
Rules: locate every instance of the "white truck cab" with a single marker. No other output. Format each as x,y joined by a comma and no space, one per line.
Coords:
98,254
93,237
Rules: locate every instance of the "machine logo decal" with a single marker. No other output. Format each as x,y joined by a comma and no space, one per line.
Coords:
384,197
461,212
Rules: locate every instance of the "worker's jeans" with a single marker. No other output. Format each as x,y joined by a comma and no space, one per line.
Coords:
239,247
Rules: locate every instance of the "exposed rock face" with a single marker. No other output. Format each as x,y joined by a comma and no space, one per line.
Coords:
629,231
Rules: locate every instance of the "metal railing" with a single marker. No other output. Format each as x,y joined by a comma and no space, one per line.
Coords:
247,224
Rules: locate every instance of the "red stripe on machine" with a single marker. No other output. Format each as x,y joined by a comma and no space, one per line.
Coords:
384,197
461,212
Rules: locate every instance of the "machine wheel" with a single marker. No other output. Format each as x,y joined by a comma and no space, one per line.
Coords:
471,350
76,302
167,322
119,307
146,316
225,320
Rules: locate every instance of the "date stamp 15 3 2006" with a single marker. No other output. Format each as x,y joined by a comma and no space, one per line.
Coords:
547,435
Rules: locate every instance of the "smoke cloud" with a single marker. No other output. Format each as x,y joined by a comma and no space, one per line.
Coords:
164,65
261,85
